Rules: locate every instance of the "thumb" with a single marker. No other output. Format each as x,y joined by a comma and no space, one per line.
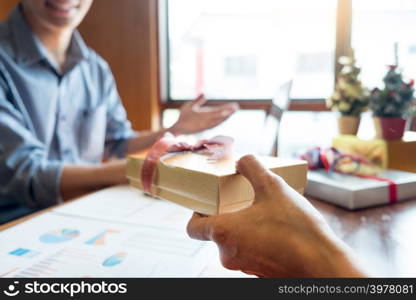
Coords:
260,178
199,101
200,227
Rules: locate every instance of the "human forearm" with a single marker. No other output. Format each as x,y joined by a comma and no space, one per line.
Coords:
280,235
194,117
147,139
346,264
78,180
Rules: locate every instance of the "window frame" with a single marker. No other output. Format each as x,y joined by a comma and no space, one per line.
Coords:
342,47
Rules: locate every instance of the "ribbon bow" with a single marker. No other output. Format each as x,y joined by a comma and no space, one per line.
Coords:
216,148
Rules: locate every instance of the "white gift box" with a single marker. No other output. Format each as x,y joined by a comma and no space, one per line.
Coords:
354,192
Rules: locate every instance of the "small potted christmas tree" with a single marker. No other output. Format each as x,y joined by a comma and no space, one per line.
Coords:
391,104
350,97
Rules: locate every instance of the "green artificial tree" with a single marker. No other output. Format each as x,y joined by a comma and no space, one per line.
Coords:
350,97
395,99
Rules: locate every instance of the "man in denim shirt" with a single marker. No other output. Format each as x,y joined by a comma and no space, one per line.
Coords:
60,113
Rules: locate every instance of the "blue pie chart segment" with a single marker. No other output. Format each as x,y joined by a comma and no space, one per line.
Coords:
59,236
114,260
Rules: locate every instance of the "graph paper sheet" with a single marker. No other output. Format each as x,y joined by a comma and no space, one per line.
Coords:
127,205
116,232
54,245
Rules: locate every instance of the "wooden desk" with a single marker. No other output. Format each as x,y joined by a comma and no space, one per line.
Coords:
384,237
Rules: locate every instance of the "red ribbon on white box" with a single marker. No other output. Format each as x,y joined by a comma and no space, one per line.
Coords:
393,198
319,159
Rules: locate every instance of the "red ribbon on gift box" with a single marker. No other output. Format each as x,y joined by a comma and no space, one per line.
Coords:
393,198
319,159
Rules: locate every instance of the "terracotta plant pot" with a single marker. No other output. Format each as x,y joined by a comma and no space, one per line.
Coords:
389,128
348,125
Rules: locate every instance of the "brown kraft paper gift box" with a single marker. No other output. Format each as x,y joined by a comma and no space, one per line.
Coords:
210,187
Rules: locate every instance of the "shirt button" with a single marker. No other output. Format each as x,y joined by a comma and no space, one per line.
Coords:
67,152
63,118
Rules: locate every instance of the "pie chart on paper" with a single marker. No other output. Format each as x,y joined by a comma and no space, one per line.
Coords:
114,260
59,236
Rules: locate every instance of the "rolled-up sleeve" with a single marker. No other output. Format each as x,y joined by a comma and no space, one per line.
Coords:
119,131
26,175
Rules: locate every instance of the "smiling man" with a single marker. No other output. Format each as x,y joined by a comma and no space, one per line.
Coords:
60,113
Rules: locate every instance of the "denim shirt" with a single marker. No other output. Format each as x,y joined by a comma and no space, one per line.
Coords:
51,117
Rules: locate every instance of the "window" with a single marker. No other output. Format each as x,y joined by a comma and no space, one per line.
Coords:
242,49
240,66
382,29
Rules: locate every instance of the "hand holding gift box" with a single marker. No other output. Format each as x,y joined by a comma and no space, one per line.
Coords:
201,178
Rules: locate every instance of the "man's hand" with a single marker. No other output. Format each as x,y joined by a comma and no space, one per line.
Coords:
194,117
280,235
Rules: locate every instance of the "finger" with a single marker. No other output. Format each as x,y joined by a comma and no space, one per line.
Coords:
260,178
228,107
233,106
200,227
215,122
214,116
199,101
211,123
217,114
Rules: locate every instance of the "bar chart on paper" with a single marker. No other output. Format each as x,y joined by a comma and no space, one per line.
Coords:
67,262
97,236
95,248
24,252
